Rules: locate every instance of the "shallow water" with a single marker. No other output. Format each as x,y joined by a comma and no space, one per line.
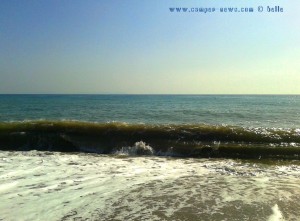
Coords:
76,186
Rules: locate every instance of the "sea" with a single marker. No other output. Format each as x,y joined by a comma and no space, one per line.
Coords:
150,157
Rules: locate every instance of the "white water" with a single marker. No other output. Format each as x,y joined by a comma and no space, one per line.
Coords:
277,215
55,186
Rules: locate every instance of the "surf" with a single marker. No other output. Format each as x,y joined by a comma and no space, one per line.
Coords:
184,140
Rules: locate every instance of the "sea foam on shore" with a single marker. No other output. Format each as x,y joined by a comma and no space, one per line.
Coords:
63,186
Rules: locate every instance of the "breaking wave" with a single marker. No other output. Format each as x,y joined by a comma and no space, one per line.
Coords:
185,140
139,148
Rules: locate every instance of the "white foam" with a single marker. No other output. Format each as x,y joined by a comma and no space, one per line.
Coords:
139,148
50,186
7,186
277,215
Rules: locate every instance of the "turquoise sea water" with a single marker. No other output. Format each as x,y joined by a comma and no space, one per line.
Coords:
245,110
177,125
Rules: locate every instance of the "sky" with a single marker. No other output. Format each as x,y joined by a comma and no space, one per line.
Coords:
140,47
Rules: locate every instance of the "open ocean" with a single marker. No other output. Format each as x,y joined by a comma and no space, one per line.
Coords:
149,157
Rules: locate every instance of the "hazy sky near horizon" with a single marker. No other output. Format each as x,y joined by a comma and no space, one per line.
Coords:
139,46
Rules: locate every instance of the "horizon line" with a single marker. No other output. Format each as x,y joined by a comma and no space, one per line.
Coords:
148,94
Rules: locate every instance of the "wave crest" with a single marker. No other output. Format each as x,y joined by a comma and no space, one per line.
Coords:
197,140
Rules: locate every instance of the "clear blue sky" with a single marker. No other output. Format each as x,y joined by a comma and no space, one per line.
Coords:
139,46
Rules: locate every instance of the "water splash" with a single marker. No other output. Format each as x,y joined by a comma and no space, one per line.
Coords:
139,148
